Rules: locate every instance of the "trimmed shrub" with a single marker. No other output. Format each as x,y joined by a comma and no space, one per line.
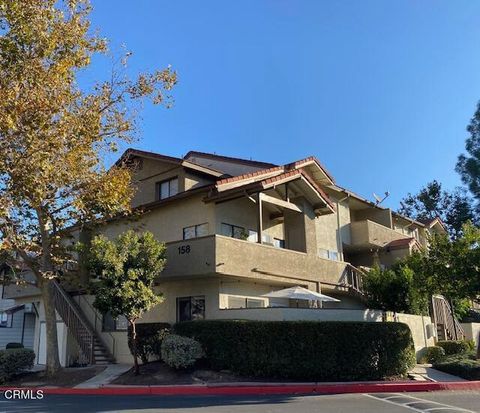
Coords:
180,352
14,361
305,350
14,345
434,354
461,365
149,340
454,346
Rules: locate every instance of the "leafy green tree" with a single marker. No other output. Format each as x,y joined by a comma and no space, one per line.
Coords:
468,165
54,137
126,268
395,289
450,267
453,208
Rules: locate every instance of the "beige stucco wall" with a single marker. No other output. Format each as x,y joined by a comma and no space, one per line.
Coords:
472,332
367,232
380,216
144,180
255,261
167,222
418,327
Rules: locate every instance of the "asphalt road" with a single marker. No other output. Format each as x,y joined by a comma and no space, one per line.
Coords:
435,402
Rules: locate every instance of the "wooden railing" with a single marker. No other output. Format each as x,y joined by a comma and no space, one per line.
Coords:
353,278
448,327
72,318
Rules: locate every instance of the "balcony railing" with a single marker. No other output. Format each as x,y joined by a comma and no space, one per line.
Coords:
224,255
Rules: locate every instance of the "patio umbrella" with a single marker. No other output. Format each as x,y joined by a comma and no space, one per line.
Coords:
300,293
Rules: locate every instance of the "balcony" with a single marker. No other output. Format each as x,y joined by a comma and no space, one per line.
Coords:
368,234
217,254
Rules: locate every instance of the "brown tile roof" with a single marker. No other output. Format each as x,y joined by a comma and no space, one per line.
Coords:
250,175
402,243
229,158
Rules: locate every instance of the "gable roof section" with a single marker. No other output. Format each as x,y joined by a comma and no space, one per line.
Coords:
267,181
131,152
214,156
430,223
402,243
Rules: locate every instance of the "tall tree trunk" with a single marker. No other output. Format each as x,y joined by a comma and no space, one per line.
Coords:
53,361
136,368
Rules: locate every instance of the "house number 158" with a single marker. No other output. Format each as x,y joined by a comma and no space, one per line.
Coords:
184,249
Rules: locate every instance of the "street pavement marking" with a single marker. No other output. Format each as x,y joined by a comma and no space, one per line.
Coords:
410,404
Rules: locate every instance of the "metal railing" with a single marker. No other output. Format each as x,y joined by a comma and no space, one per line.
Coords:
80,330
445,320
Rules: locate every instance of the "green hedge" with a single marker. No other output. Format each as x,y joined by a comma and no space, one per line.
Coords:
462,365
433,354
305,350
14,361
454,346
149,339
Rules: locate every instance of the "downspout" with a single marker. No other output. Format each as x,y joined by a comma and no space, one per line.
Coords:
339,233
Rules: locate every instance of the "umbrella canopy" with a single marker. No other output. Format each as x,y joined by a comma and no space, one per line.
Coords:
300,293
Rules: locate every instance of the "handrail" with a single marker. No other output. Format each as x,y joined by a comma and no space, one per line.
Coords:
67,298
74,321
443,315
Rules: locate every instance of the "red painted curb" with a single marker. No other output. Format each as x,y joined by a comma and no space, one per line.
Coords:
273,389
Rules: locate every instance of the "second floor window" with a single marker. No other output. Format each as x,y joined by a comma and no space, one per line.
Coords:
166,189
195,231
234,231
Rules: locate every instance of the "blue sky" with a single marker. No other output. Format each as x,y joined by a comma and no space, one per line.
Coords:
380,91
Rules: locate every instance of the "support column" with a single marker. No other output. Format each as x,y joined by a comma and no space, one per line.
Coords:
259,218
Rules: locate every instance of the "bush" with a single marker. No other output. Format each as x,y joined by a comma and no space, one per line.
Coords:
454,346
14,345
305,350
149,339
434,354
181,352
14,361
461,365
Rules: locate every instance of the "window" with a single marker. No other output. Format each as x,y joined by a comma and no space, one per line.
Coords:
252,236
245,302
166,189
114,324
5,319
278,243
330,255
333,255
255,303
234,231
195,231
190,308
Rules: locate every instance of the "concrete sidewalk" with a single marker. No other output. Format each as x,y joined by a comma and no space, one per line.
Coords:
428,373
111,372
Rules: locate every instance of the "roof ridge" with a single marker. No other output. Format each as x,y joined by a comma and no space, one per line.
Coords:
229,158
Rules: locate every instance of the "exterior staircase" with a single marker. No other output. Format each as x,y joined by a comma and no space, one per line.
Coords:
91,346
448,327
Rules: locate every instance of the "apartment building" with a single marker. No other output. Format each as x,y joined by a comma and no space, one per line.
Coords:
235,230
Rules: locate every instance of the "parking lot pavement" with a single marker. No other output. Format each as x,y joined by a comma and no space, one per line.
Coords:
435,402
